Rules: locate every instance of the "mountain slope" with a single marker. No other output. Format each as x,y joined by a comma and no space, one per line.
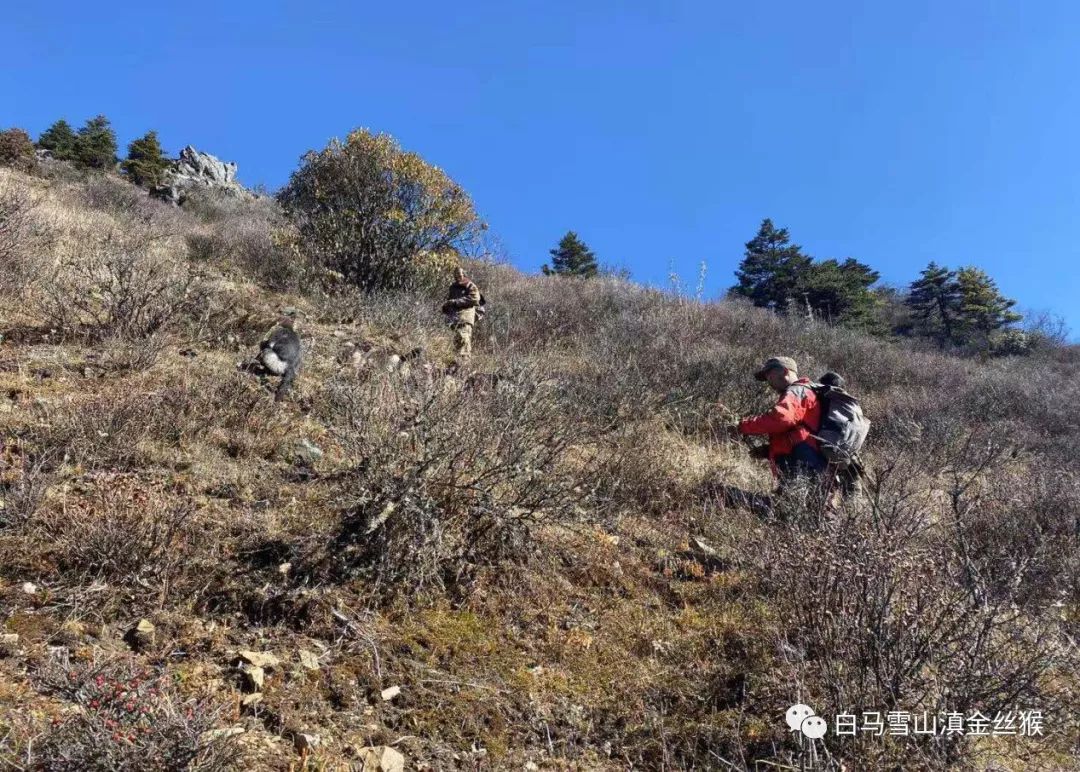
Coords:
549,558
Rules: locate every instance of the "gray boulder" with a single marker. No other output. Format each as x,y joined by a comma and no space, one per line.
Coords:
195,170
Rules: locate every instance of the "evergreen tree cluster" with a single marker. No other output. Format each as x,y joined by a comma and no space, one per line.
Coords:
959,308
94,147
777,274
91,147
962,308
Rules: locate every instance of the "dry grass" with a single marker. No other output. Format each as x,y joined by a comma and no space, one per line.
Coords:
513,545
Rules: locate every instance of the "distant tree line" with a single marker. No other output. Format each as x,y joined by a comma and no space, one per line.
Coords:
92,147
960,309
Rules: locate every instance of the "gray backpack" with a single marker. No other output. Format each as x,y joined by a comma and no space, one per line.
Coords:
843,427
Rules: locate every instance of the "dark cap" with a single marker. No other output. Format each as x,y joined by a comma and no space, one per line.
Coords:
832,379
773,362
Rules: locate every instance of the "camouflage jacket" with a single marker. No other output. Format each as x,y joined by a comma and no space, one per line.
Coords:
461,302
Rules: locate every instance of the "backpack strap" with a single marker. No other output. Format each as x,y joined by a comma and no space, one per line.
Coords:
819,390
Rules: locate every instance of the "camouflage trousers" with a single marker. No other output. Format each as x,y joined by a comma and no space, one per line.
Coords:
462,339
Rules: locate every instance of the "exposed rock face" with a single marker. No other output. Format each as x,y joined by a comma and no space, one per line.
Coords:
195,170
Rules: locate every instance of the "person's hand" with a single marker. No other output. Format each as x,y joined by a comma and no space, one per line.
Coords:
447,307
732,431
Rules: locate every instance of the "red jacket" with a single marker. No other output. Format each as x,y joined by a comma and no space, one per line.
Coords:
796,414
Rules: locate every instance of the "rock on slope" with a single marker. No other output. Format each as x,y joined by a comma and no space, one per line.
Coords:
195,170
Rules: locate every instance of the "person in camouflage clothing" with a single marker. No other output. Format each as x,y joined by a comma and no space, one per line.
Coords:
460,308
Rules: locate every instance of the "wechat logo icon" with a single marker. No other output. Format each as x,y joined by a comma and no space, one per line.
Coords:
801,718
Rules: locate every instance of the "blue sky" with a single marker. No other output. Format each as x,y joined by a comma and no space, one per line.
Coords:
662,132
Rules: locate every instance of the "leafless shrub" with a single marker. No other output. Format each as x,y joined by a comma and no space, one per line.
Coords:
62,171
207,247
213,205
110,194
644,471
896,605
122,537
258,244
1046,328
15,208
119,285
99,432
126,717
23,483
122,354
232,409
113,431
20,235
261,249
445,481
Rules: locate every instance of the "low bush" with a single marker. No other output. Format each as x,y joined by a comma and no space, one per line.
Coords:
96,432
128,718
16,149
899,604
213,205
121,537
22,236
107,193
118,285
446,479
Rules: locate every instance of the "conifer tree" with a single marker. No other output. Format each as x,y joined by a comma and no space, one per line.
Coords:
772,270
95,145
145,164
982,308
934,300
59,139
572,258
840,293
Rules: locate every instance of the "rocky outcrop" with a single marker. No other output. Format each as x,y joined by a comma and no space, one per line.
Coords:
195,170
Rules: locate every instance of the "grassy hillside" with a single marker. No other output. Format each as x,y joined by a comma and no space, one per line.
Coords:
542,552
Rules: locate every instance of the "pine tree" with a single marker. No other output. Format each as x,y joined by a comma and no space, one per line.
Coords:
145,164
95,145
934,301
59,139
773,269
572,258
840,293
982,308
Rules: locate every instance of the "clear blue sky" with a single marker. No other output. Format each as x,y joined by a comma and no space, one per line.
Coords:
662,132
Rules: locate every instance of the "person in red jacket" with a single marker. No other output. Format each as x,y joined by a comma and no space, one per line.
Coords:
791,424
